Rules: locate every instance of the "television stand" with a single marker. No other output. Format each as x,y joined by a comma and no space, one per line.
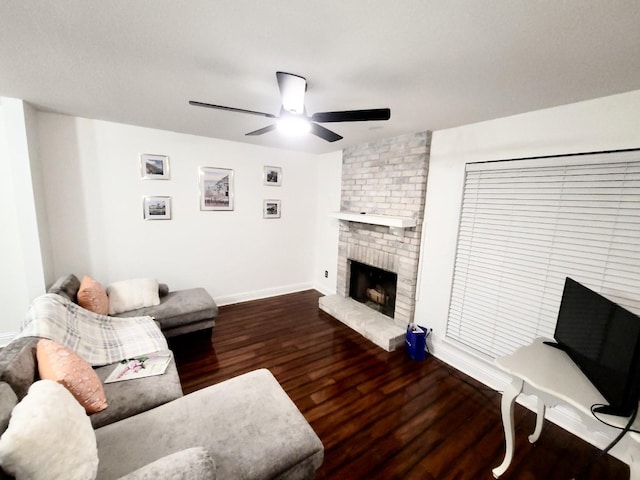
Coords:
550,375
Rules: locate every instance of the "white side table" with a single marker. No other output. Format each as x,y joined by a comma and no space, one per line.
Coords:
550,375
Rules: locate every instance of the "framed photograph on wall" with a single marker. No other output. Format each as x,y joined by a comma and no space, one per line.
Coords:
272,176
156,208
154,167
271,209
216,188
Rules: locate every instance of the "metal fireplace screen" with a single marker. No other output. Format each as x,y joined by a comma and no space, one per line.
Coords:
374,287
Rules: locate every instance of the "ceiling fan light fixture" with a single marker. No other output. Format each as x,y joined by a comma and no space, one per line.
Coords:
294,125
292,90
293,119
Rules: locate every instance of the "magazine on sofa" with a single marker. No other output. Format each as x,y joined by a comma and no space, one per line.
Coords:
140,367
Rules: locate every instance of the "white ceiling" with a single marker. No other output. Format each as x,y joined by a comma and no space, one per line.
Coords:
434,63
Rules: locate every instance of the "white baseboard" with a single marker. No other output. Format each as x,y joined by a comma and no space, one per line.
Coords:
495,378
323,290
265,293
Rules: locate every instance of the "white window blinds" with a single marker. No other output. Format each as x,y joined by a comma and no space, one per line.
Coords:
526,225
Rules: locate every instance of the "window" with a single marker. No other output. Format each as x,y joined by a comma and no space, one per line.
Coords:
526,225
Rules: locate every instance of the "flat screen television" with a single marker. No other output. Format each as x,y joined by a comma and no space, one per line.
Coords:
603,339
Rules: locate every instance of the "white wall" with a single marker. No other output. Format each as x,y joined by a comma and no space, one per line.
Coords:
24,243
94,195
14,295
328,196
37,185
609,123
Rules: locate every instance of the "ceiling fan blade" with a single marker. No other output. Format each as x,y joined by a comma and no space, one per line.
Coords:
353,115
292,88
324,133
231,109
260,131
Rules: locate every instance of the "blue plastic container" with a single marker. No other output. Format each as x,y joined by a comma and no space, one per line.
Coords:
416,342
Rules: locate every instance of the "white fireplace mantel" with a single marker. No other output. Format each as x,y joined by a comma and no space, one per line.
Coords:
395,224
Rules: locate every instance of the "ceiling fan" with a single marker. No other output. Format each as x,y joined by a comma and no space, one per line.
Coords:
293,115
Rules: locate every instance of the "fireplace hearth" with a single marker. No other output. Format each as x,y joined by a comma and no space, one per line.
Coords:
374,287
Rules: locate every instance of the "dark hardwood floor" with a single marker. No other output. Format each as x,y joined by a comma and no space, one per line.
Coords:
379,415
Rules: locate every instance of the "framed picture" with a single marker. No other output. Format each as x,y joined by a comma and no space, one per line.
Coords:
216,188
156,208
154,167
273,176
271,209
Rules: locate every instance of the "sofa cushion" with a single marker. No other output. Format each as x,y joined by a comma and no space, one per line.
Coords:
18,365
66,286
61,364
8,400
130,397
249,425
190,464
49,436
178,308
132,294
163,289
93,296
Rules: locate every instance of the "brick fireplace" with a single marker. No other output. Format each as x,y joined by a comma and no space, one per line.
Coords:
383,186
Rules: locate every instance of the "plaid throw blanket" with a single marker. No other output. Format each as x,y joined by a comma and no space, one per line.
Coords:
99,339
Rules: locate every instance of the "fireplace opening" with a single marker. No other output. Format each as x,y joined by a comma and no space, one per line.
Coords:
374,287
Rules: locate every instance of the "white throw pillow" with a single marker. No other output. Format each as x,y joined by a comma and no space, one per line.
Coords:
128,295
49,436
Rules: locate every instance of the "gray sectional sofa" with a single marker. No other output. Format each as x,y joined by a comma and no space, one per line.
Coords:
179,312
241,429
244,428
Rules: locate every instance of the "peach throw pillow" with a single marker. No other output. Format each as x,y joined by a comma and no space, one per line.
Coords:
62,365
93,296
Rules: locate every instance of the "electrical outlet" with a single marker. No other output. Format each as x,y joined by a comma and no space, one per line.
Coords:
326,274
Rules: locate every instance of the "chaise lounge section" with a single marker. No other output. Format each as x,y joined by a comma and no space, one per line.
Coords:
248,424
179,312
